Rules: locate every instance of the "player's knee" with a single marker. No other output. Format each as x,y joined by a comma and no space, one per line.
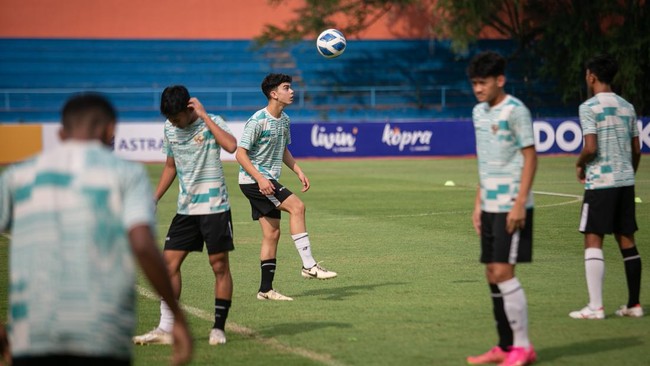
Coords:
220,267
272,235
298,207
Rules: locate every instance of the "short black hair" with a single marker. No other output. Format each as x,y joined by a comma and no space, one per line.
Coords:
486,64
604,66
96,107
174,100
272,81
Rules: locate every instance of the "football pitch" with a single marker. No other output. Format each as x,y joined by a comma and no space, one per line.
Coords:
410,289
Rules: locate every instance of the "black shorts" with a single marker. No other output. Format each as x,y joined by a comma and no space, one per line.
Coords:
607,211
189,232
69,361
497,246
263,205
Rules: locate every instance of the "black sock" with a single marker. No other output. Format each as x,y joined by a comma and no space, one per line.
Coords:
268,272
503,326
221,308
632,262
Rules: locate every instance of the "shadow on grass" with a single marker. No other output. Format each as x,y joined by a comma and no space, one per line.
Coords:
297,328
587,348
342,293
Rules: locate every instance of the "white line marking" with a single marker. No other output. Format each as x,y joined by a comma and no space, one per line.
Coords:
251,334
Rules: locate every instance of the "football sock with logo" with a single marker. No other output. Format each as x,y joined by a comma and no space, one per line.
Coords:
268,272
304,249
166,317
595,273
221,307
516,309
632,261
503,328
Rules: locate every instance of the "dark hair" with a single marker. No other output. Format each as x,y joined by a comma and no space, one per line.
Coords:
272,81
486,64
174,100
81,105
604,67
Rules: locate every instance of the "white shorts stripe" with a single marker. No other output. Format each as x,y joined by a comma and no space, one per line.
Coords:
274,200
583,217
514,248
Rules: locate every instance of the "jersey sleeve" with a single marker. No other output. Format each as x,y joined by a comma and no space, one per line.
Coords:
218,120
138,205
166,146
634,126
522,126
251,134
587,120
6,206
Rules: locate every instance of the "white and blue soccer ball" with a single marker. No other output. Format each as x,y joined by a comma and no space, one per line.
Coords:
331,43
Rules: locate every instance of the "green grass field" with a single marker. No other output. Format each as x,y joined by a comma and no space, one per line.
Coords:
410,289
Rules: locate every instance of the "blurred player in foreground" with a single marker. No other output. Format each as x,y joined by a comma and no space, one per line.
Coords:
261,152
503,211
79,216
192,141
606,166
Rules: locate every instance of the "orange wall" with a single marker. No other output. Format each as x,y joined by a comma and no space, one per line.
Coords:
18,142
167,19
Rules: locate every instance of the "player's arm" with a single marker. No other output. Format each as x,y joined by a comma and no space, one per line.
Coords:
166,178
476,214
148,256
223,138
588,153
288,160
516,218
266,187
636,153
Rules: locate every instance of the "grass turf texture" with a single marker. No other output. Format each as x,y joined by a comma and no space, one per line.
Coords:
410,289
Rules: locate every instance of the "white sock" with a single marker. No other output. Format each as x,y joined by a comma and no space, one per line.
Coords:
304,249
516,308
166,317
595,273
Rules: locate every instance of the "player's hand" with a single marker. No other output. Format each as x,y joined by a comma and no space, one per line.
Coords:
476,220
516,219
305,181
197,107
580,174
182,348
5,351
266,187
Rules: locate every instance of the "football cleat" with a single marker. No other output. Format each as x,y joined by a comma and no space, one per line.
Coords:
272,295
520,356
588,313
217,336
318,272
633,312
156,336
494,355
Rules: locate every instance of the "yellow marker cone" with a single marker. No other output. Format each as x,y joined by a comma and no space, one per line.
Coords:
638,200
450,183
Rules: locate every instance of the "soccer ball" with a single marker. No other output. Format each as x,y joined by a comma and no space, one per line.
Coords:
331,43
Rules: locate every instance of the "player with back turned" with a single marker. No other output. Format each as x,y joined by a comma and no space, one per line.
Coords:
503,211
606,166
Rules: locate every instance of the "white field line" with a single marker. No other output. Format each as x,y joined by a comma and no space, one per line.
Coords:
323,358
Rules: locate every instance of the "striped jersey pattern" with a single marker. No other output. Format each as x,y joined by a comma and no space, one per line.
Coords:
501,132
613,120
201,182
72,269
265,138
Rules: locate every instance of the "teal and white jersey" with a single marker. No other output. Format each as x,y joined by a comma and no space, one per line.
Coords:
201,183
613,120
72,272
501,132
265,137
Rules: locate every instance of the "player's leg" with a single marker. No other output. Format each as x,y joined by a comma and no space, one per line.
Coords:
183,237
298,228
218,236
268,252
624,228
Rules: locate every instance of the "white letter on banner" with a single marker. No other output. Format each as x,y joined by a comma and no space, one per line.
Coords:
538,128
568,146
644,134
